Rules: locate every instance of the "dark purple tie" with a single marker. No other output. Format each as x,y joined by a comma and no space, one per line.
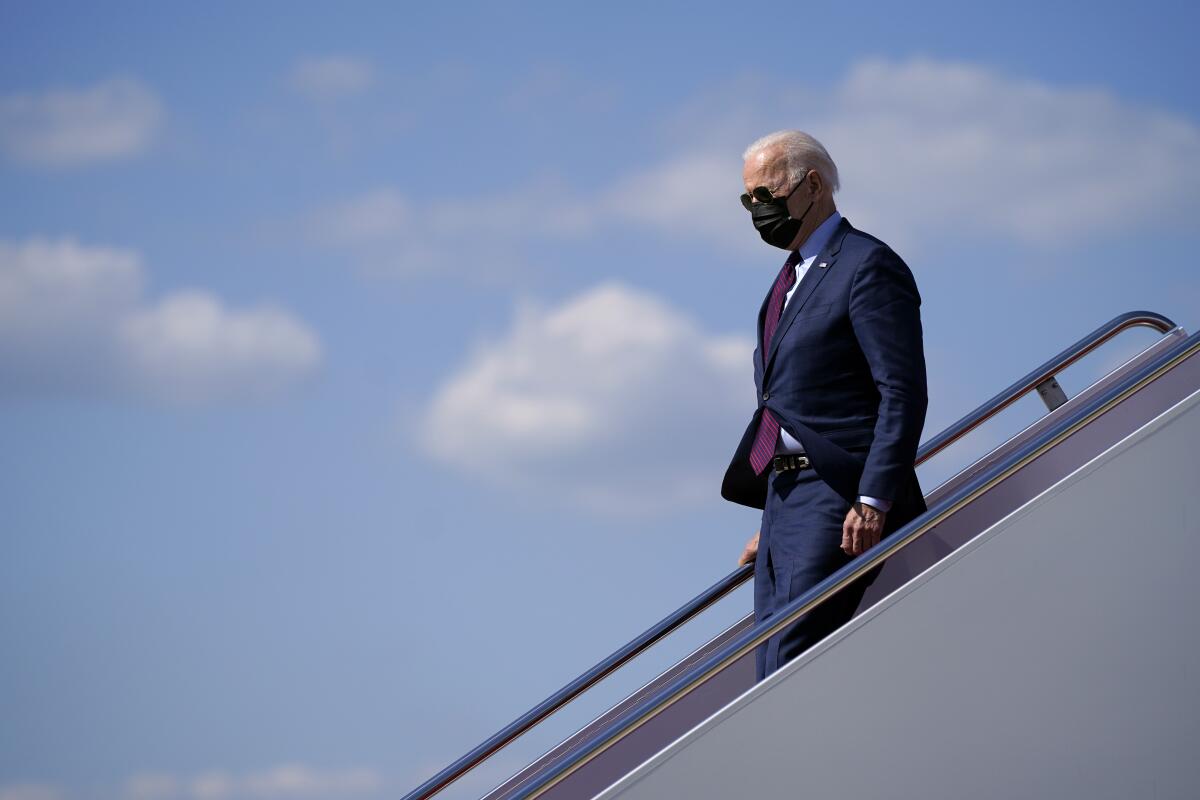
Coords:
768,427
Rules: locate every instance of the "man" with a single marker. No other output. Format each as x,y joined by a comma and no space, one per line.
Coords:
839,370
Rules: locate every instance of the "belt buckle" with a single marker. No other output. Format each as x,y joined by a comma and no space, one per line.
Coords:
786,461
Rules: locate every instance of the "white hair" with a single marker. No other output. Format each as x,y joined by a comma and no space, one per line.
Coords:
801,153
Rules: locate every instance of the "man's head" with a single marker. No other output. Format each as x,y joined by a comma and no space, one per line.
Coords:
795,166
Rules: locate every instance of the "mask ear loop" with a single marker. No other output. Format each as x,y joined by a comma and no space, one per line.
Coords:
789,197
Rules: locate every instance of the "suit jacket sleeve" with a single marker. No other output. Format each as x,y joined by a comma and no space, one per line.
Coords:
886,317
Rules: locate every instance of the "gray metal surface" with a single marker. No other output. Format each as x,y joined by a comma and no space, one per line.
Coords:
1054,655
1085,444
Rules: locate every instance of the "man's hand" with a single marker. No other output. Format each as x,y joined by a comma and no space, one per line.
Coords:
751,550
862,529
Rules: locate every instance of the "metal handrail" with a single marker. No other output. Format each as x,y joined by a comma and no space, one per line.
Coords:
1041,374
745,642
735,579
576,687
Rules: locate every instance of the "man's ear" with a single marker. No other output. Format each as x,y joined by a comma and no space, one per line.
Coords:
815,182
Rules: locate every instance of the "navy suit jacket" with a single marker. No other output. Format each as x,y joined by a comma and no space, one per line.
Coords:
845,375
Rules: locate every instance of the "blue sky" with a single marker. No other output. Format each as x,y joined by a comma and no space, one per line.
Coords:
367,372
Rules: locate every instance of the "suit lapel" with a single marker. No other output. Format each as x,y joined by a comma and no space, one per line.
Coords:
808,284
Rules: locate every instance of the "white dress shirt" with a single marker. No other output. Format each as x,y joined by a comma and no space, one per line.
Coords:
810,248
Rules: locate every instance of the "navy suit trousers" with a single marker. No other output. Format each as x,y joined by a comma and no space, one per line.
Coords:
799,545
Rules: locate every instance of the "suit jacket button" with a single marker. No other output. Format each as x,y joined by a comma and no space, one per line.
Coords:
766,396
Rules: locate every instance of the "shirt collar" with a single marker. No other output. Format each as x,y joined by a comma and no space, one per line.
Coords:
817,240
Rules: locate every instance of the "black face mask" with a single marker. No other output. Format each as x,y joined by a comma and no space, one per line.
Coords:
773,222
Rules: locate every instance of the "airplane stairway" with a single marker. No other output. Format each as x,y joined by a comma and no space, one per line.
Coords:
704,717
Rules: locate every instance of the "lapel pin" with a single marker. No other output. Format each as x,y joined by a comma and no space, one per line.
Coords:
822,265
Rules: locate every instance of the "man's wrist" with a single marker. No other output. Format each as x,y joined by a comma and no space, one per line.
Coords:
876,503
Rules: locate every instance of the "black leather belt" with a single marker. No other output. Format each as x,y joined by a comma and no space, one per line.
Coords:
783,463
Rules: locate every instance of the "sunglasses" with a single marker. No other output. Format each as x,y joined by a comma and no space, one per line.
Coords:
763,195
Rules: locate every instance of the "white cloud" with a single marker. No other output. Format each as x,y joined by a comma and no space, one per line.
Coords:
613,399
384,235
47,285
692,196
68,127
295,780
378,215
388,232
190,347
151,786
284,782
927,148
934,145
332,77
75,316
29,791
